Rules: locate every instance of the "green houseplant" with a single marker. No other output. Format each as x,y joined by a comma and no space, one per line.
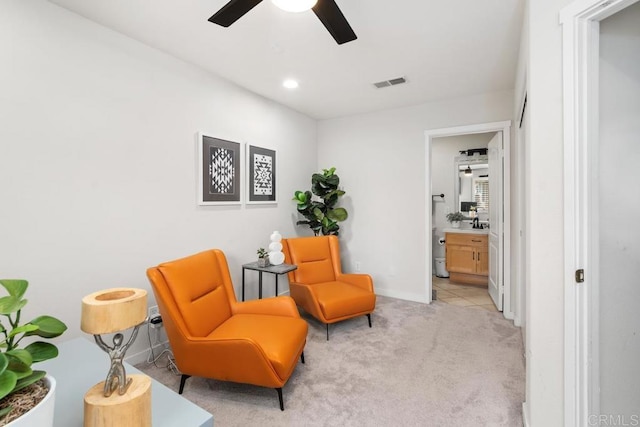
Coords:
15,361
454,218
321,213
263,257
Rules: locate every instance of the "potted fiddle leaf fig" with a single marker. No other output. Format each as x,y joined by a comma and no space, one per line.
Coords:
18,381
321,213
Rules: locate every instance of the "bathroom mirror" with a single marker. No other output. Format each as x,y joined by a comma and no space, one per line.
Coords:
471,184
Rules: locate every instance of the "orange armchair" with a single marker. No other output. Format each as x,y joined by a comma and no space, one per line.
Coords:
320,287
213,336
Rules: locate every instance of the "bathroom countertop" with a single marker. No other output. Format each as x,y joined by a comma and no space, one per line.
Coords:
467,230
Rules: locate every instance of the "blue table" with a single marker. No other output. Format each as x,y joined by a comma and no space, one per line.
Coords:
81,365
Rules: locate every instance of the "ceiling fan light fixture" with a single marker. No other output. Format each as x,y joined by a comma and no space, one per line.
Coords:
295,5
290,84
327,12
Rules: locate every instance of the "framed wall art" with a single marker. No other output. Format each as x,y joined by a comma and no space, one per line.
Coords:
261,171
220,171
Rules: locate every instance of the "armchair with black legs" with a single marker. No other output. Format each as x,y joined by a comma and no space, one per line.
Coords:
212,335
320,287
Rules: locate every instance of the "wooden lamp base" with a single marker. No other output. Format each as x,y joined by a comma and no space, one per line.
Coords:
130,409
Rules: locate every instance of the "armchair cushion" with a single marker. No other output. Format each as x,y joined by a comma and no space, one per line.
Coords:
339,299
280,306
281,338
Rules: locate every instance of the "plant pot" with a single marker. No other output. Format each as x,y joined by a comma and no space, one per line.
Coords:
40,415
263,262
455,224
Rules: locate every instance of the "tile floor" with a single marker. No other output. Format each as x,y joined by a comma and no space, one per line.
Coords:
472,296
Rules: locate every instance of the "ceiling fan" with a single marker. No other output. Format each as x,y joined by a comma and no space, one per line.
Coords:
326,10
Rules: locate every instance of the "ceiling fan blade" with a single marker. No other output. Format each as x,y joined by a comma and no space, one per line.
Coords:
232,11
332,18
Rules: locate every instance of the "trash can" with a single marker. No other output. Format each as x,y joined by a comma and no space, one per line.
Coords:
441,270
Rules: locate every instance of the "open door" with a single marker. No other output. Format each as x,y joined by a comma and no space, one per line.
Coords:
496,248
499,237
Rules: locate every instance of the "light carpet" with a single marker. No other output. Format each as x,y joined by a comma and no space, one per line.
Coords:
420,365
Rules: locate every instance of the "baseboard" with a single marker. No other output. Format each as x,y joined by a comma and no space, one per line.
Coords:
517,321
407,296
525,414
508,314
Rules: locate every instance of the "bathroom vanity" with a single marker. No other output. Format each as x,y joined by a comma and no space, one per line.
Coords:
467,255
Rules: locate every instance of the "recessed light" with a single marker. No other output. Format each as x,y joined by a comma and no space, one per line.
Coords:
290,84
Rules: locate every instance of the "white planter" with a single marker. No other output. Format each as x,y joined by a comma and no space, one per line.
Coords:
455,224
40,415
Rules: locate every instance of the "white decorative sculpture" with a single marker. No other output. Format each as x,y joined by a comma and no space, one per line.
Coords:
276,257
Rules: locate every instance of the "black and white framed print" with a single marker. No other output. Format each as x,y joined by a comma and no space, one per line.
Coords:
220,171
261,170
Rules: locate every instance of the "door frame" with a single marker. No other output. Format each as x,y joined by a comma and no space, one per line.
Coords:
505,128
495,238
521,177
580,51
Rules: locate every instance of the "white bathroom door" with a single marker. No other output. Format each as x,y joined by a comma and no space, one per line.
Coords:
496,248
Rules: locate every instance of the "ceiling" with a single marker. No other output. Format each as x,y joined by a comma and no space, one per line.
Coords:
444,49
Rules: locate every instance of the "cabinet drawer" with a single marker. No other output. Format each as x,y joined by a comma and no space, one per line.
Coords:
466,239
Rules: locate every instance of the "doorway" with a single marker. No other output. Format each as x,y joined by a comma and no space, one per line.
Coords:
503,236
460,178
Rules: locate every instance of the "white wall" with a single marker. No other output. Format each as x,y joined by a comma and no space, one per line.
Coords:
618,179
380,158
545,251
98,160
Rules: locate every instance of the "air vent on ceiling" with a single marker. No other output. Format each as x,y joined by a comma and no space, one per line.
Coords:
392,82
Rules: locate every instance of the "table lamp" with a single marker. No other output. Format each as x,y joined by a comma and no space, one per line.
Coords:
119,400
